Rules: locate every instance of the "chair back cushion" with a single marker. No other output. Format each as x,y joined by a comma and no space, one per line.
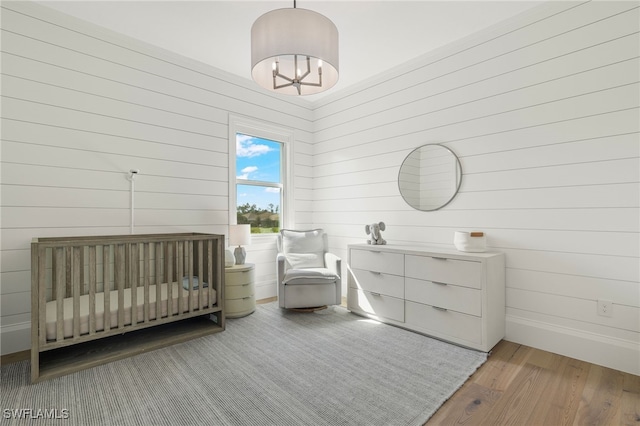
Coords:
303,249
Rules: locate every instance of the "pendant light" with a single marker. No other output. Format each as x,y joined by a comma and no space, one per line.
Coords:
294,51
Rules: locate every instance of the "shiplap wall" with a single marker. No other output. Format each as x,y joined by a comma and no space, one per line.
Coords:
543,112
81,106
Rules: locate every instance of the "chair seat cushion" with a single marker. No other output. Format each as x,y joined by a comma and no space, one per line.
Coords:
309,276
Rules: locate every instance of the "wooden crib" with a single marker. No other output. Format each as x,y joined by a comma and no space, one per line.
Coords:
159,289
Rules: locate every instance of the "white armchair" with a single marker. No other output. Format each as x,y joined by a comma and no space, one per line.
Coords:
307,274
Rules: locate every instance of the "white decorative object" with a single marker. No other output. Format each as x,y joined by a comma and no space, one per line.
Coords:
458,297
376,235
229,258
240,235
473,242
294,51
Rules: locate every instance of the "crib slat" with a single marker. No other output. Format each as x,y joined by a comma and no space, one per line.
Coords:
133,280
210,271
67,251
180,257
146,260
42,293
75,281
120,281
83,288
60,279
158,251
169,266
190,266
201,300
54,284
106,287
92,289
127,268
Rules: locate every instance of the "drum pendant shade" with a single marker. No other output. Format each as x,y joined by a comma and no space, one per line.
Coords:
294,51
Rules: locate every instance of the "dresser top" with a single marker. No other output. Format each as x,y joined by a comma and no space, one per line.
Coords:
426,250
239,268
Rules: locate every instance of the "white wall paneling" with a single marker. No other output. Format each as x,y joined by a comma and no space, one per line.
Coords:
543,113
81,106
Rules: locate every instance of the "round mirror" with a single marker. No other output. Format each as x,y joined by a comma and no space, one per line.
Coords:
430,177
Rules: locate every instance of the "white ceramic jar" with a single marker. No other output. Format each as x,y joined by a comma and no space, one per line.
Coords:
472,242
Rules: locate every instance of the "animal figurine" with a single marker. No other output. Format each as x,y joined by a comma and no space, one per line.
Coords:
376,237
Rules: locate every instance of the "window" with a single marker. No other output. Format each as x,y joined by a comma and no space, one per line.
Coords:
258,183
258,190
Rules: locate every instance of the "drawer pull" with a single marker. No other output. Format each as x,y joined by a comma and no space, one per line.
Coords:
438,282
375,294
439,258
439,308
376,272
245,298
244,285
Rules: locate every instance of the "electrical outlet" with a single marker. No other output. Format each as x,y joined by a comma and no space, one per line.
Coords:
605,308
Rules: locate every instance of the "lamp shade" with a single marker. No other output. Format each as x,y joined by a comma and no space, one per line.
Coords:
239,235
289,35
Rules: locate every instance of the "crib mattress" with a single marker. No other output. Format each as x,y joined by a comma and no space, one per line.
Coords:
51,328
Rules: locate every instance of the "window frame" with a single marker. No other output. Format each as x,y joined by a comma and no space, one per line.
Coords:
264,130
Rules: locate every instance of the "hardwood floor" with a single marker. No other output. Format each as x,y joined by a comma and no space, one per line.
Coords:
520,385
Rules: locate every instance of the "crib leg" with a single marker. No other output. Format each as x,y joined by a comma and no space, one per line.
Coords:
35,364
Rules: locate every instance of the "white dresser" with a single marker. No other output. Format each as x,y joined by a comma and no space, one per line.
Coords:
454,296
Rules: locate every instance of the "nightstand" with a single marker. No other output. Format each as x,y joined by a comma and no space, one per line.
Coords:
240,297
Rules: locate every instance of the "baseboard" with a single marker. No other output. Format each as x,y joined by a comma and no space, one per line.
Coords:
15,338
15,357
266,291
267,300
618,354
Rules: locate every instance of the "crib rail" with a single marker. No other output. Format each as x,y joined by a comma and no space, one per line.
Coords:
107,285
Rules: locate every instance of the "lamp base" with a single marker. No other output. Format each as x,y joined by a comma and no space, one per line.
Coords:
240,255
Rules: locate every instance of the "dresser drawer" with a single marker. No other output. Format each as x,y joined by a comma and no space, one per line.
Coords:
443,323
377,261
376,304
239,307
377,282
238,291
444,270
455,298
233,278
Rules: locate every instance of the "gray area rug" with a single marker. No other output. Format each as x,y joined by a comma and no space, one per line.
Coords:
273,367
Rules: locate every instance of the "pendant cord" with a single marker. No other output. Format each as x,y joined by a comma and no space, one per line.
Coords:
294,4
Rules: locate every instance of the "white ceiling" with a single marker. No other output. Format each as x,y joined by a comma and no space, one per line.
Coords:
374,35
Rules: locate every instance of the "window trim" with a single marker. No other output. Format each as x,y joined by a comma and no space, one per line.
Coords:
261,129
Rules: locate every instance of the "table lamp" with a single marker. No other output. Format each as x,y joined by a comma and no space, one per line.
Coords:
239,235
